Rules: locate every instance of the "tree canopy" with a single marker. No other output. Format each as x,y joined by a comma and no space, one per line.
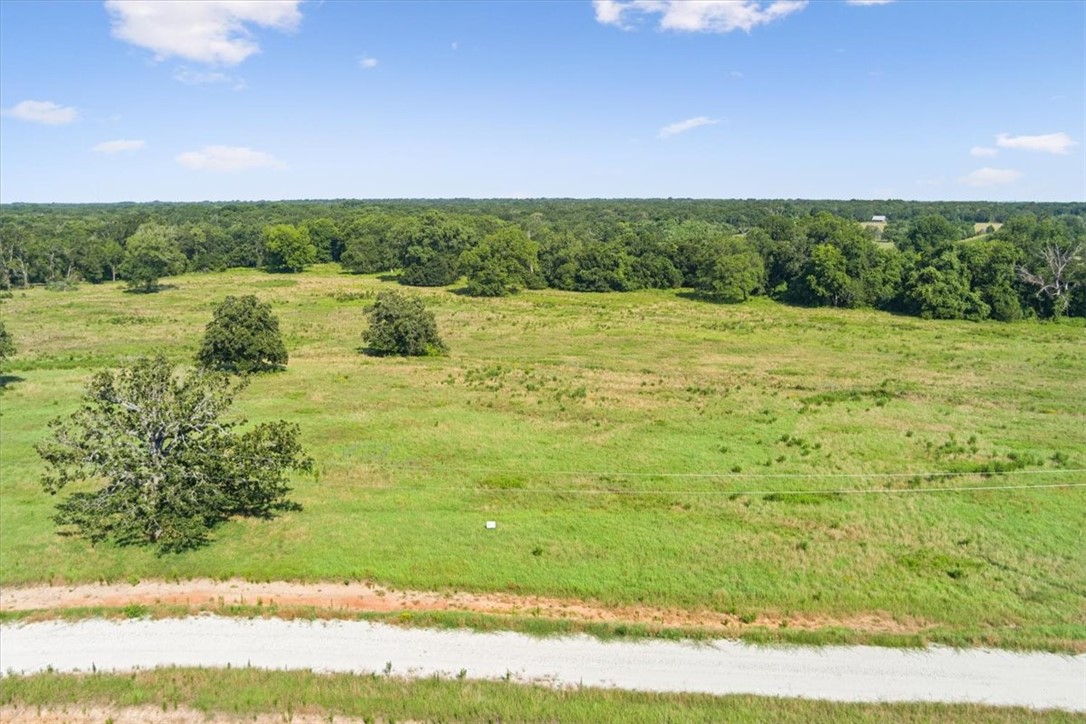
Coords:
400,324
171,468
503,263
242,336
151,254
289,248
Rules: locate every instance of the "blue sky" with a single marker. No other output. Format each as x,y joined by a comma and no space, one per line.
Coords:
151,100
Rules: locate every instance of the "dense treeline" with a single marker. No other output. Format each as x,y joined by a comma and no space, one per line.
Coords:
927,260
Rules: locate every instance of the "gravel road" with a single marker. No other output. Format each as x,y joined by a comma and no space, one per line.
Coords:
854,673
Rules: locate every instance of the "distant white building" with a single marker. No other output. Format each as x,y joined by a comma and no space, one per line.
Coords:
878,218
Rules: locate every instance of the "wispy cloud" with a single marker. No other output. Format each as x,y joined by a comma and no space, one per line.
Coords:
689,124
227,158
983,151
990,177
367,63
46,112
1059,143
209,31
864,3
189,76
119,146
697,16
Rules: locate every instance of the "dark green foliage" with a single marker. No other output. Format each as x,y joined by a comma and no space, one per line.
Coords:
930,234
941,290
400,324
151,253
289,248
370,245
991,268
7,344
584,245
603,267
503,263
242,336
172,468
432,251
733,273
827,277
326,238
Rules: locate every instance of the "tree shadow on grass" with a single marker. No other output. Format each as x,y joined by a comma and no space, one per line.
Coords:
6,380
156,290
708,298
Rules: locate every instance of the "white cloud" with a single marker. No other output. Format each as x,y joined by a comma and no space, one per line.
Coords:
197,77
683,126
1059,143
865,3
367,63
990,177
736,74
227,158
209,31
45,112
698,16
609,12
983,151
119,146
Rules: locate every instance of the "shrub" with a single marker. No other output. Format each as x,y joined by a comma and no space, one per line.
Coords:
243,336
401,325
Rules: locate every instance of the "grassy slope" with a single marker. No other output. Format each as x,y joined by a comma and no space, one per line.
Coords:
246,692
548,398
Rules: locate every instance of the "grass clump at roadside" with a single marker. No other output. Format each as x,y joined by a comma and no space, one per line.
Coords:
245,693
637,448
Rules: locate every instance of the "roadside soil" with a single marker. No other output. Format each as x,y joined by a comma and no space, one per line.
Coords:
200,594
96,714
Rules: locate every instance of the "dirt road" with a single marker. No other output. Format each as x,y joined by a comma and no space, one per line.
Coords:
857,673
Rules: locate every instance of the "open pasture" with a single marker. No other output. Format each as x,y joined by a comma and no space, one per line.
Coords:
638,448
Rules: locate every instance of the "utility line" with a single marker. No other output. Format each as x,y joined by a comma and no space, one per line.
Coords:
730,475
736,493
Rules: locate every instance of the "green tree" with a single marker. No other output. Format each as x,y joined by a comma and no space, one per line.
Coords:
400,324
369,245
112,255
150,254
827,276
941,290
930,234
242,336
326,238
289,248
172,468
502,263
733,273
432,249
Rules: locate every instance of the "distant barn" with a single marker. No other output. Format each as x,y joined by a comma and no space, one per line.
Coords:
878,219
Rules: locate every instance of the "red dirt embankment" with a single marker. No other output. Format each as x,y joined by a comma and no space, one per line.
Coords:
201,594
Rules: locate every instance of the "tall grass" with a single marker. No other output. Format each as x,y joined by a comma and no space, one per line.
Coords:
587,425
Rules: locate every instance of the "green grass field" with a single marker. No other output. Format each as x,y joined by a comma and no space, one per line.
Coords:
244,693
588,426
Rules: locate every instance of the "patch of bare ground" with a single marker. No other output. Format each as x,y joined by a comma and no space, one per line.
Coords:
364,597
93,714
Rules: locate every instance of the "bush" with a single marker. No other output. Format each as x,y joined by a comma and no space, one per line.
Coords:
401,325
243,336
